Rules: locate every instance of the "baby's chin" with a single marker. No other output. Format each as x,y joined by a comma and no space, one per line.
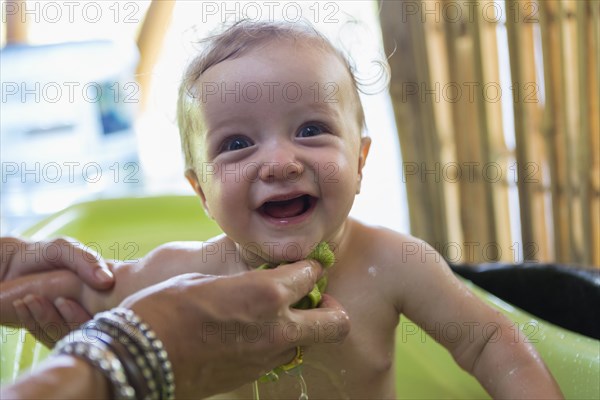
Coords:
276,252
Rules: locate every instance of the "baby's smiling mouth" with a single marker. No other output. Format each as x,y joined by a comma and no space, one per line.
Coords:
288,208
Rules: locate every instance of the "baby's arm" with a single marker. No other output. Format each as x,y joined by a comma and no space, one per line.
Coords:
487,344
159,265
162,263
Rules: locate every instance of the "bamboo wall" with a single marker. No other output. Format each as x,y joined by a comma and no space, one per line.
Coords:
455,112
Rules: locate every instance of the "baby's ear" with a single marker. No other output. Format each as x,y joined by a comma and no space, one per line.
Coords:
365,145
192,178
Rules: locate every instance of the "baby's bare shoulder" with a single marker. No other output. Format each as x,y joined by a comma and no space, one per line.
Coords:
402,262
184,257
391,247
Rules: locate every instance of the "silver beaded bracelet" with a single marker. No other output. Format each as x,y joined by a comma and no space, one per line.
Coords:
137,347
152,345
127,352
100,356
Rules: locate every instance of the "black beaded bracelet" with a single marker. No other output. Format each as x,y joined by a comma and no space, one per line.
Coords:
127,352
134,376
97,354
156,347
145,363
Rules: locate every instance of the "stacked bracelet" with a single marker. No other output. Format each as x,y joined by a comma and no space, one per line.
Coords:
133,341
100,356
127,352
155,347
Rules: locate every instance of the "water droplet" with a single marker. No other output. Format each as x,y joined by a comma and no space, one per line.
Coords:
373,271
343,372
303,388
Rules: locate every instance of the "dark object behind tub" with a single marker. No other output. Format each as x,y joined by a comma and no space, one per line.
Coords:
565,296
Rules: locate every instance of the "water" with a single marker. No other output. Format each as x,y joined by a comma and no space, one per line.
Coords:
297,372
303,388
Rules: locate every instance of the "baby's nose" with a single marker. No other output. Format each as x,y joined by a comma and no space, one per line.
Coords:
281,165
270,171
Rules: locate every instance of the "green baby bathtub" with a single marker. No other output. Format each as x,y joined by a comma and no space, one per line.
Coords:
128,228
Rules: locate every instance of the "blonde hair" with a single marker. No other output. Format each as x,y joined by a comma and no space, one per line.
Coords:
234,42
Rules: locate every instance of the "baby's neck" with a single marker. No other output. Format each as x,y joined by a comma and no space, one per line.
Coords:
337,242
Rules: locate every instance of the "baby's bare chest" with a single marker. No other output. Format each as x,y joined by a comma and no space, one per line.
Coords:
359,367
350,370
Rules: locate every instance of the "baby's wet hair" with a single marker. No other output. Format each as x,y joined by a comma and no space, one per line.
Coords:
233,42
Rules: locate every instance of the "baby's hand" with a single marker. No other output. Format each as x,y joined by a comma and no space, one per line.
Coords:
48,322
38,302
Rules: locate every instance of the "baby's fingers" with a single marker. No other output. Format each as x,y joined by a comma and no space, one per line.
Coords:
48,324
72,313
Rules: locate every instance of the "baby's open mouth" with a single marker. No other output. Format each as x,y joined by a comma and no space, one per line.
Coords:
288,208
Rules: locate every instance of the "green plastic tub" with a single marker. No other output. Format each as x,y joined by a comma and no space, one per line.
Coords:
128,228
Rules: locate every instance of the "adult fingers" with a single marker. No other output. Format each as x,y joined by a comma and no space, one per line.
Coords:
23,316
83,260
24,311
73,313
49,324
329,323
50,285
297,279
58,319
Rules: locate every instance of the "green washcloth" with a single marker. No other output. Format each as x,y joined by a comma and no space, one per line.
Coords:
323,254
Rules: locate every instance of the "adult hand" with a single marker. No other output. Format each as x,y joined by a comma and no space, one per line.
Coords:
219,332
19,257
222,332
24,266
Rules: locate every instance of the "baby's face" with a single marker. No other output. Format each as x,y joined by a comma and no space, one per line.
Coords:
279,158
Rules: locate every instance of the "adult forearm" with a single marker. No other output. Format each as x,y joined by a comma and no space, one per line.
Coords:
62,377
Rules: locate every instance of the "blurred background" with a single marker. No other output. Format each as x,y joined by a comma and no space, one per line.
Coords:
486,143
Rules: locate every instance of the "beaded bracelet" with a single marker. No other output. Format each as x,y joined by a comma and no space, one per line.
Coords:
146,363
123,350
156,347
127,352
100,356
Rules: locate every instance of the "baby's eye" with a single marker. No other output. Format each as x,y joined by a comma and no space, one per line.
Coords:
311,130
236,143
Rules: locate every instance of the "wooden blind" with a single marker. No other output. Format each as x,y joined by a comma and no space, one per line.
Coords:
452,117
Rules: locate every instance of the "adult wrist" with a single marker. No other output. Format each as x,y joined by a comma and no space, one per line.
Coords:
99,355
126,351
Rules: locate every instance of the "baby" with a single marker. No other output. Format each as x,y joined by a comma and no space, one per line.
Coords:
271,125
